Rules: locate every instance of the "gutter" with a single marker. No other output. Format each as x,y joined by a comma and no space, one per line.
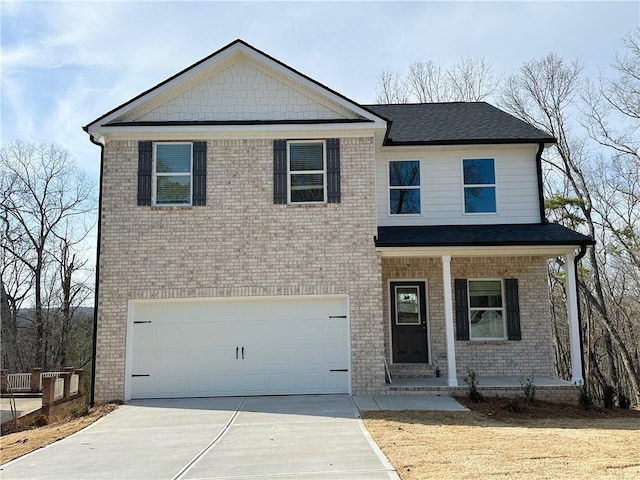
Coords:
543,218
576,259
97,287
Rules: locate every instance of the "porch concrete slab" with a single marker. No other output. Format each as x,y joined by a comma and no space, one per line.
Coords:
23,406
310,437
485,381
408,402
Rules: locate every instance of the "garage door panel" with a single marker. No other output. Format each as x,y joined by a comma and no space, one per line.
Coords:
290,346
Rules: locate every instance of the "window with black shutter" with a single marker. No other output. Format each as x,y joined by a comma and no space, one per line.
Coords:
306,171
172,173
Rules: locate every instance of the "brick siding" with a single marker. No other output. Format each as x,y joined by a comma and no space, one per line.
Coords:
240,244
533,355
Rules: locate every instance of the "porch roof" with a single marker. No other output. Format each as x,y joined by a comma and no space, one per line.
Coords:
536,234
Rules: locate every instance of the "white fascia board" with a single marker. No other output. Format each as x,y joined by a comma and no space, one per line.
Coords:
244,131
548,251
159,90
97,127
288,72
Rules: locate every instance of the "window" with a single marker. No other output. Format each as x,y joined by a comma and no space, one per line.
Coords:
486,310
407,305
404,187
479,185
307,172
172,174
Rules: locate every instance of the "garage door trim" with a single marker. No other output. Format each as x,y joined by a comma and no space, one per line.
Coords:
218,300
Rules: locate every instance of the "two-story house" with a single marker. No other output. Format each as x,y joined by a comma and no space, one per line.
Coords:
260,233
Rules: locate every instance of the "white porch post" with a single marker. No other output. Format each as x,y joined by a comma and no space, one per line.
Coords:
452,379
572,317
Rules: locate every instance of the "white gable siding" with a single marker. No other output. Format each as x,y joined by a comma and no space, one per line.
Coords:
441,185
242,92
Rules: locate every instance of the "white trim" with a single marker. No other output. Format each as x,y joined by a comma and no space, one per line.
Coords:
228,53
428,317
479,185
154,176
128,356
452,374
389,188
573,320
131,313
502,309
307,172
479,251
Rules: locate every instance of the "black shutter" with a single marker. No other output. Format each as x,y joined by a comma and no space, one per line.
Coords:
145,165
513,308
199,174
333,170
462,309
280,171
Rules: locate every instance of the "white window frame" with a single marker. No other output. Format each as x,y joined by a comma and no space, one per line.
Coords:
307,172
502,309
155,175
471,185
389,188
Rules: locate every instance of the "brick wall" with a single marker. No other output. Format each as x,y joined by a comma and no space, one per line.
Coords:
532,355
240,244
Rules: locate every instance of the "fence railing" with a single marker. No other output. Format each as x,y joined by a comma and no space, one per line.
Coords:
19,382
73,384
32,382
48,374
58,391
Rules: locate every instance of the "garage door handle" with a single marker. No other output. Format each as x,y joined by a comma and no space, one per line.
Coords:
337,316
243,353
236,353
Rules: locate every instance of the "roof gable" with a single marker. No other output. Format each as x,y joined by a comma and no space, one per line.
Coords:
236,84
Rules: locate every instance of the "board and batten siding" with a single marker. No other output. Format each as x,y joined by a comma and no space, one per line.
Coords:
441,185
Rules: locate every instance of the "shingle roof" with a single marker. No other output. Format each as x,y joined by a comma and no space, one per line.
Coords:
480,235
455,123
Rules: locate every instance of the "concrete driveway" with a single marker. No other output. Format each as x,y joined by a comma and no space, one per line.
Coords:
311,437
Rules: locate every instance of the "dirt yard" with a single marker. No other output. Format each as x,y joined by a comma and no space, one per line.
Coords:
544,441
15,445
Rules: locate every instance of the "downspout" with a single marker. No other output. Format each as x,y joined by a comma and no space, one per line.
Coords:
543,218
97,287
576,259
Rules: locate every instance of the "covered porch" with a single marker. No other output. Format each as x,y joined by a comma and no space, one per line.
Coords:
442,262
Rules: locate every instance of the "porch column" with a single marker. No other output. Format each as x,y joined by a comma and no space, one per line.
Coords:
452,379
572,317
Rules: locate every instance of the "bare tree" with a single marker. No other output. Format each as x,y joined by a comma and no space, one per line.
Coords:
391,88
428,82
469,80
42,194
546,93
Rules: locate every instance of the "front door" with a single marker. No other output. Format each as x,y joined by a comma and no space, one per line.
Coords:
409,322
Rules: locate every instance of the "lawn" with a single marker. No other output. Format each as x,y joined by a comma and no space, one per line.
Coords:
14,445
544,441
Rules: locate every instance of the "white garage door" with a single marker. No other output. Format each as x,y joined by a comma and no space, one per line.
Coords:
246,346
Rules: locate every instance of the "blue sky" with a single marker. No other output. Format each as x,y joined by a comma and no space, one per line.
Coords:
65,63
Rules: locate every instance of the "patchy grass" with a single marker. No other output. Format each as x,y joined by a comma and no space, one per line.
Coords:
14,445
545,440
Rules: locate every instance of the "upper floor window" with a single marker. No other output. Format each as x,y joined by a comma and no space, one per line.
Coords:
172,174
479,185
404,187
307,172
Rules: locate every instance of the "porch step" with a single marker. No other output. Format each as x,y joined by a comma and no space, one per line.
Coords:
412,370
